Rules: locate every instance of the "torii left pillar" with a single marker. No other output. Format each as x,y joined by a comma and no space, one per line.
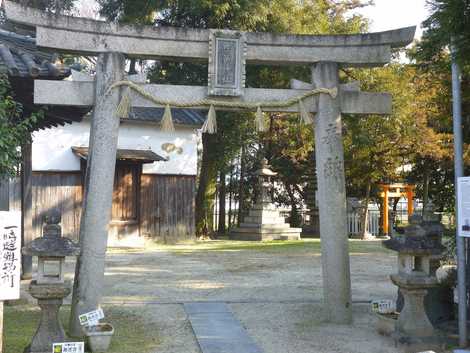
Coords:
329,153
89,272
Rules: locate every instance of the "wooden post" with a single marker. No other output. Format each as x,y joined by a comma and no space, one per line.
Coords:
1,326
99,181
26,209
332,198
385,210
409,197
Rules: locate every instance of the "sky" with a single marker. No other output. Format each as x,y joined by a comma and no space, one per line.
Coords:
391,14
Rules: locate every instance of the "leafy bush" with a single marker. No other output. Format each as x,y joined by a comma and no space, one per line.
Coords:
15,129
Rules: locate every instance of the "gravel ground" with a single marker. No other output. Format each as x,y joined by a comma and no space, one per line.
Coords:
275,293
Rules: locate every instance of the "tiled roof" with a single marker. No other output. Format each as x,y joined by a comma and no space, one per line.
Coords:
19,57
24,62
138,156
180,116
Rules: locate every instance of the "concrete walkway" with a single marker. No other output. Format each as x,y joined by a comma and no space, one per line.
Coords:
217,330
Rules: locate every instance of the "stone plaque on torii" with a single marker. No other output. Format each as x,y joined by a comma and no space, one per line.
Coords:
227,53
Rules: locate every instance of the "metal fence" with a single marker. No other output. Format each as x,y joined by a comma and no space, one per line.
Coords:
355,223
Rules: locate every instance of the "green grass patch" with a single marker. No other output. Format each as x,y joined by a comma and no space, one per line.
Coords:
131,332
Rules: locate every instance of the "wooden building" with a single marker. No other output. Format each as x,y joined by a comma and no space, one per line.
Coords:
154,187
22,63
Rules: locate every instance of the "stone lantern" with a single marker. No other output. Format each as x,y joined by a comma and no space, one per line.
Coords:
419,251
264,221
50,287
264,175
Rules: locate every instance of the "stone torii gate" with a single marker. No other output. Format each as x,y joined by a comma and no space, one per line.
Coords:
227,53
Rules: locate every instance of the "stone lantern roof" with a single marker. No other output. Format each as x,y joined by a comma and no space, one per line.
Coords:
265,169
422,237
52,244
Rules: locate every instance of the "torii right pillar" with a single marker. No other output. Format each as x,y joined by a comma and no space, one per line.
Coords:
329,154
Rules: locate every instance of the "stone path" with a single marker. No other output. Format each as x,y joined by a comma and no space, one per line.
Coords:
217,330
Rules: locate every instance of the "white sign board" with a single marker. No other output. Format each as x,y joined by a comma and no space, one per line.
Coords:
10,255
383,306
463,203
92,318
68,347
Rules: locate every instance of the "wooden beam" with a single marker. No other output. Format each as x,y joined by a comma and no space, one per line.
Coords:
26,209
90,37
81,94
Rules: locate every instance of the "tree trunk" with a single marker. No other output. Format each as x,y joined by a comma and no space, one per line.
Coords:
393,218
230,220
365,212
241,190
426,186
207,187
222,197
294,212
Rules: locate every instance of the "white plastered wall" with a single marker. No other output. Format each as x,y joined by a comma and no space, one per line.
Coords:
52,147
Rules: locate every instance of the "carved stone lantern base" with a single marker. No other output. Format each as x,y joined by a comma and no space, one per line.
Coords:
50,298
413,320
414,331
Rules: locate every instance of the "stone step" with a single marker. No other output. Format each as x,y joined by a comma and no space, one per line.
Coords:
264,236
263,213
264,207
264,220
267,230
265,225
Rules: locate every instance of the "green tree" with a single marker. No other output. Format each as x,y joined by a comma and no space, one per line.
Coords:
55,6
15,129
314,17
449,19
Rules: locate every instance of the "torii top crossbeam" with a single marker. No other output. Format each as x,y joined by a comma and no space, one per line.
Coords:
92,37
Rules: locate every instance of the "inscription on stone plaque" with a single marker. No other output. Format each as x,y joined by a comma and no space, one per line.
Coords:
226,63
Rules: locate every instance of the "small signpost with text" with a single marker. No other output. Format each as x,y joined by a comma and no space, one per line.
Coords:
10,262
463,204
68,347
91,318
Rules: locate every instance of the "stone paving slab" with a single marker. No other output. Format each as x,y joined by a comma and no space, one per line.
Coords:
217,330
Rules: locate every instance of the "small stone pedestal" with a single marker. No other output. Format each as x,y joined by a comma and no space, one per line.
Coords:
50,298
413,320
419,251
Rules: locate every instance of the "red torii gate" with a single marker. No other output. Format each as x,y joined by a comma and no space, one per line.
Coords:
396,190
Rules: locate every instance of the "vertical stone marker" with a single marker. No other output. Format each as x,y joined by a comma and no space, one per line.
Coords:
89,272
332,197
10,261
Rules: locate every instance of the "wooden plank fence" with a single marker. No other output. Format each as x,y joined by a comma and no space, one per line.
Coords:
167,203
167,207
